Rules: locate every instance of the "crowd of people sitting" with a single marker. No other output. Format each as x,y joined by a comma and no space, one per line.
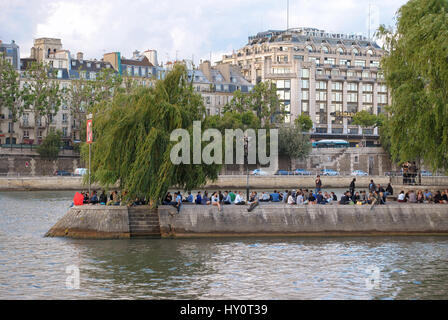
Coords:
423,196
375,194
113,199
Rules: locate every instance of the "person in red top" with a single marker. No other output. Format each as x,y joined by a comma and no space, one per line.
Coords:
78,199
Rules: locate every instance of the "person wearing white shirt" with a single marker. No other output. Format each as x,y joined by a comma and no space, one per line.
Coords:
239,200
290,199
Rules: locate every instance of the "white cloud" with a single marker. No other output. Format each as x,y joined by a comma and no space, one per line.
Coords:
174,26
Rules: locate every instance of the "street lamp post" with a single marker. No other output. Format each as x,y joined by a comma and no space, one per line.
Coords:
246,152
89,140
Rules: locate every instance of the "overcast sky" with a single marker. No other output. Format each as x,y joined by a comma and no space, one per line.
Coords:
177,27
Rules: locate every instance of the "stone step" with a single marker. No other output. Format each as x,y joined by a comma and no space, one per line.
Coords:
144,224
144,218
146,235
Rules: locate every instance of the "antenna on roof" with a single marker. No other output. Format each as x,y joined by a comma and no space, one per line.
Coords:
369,20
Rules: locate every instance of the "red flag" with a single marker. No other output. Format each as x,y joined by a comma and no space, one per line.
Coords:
89,133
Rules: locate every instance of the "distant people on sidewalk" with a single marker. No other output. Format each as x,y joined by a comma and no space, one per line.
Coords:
318,183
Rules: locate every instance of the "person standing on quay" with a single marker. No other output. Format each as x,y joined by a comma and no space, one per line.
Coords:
318,184
352,186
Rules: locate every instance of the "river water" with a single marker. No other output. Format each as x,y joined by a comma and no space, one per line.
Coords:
34,267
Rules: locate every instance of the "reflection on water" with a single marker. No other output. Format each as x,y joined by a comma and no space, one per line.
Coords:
34,267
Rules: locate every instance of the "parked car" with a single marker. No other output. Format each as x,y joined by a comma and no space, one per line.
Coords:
426,173
80,171
62,173
359,173
282,173
259,172
329,172
302,172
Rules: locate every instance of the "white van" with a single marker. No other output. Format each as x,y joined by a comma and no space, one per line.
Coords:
80,171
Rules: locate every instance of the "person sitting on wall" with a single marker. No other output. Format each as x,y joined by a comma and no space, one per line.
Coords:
86,197
239,200
334,196
345,199
389,190
103,198
215,201
227,198
93,198
401,197
232,196
206,199
189,198
381,198
198,198
178,203
275,196
168,199
253,201
320,198
428,196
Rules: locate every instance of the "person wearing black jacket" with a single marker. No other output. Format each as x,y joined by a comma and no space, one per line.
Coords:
389,189
352,186
345,199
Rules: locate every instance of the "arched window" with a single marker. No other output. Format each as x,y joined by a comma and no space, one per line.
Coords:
355,51
325,49
370,51
340,50
309,48
48,55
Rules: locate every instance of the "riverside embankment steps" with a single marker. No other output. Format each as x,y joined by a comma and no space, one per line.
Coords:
144,223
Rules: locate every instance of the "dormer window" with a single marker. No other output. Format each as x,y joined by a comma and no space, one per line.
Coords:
325,49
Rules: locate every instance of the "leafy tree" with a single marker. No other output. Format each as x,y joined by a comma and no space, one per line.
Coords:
262,100
132,139
293,143
11,94
43,94
83,94
50,146
416,73
304,122
367,120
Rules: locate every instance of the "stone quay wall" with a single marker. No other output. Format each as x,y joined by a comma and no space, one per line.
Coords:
265,220
311,220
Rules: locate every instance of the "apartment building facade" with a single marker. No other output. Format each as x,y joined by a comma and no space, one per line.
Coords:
217,85
327,76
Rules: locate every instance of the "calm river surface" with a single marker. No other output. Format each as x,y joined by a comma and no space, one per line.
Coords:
34,267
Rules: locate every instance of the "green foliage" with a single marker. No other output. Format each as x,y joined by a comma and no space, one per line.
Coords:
304,122
50,147
416,72
262,100
43,94
132,139
293,143
11,94
366,119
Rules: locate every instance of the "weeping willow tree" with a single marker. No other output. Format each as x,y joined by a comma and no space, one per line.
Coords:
416,72
132,139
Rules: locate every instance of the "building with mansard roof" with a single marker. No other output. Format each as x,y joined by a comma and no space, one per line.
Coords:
328,76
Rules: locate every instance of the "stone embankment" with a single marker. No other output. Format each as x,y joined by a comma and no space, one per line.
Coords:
265,220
